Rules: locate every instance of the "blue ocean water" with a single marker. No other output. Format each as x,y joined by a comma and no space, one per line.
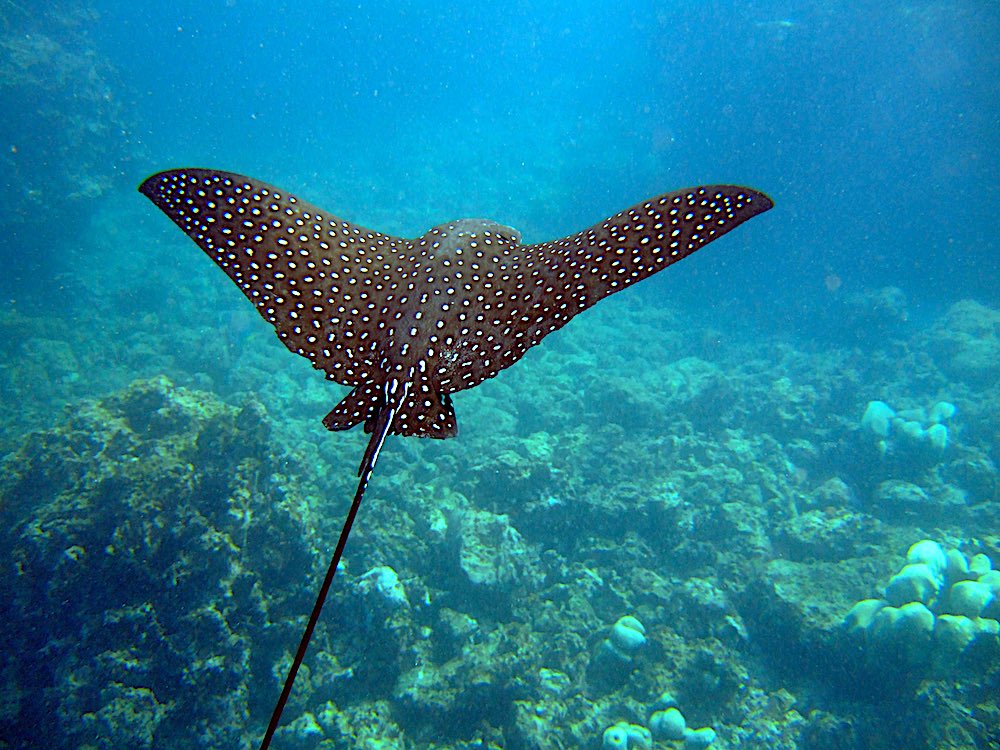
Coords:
705,453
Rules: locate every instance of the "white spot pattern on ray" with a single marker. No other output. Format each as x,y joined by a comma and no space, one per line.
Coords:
441,312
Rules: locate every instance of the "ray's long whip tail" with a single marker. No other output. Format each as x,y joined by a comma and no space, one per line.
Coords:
382,424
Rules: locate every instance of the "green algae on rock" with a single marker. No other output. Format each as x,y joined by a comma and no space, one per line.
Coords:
138,542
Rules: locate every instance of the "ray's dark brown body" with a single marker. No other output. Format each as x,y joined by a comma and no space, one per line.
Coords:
407,322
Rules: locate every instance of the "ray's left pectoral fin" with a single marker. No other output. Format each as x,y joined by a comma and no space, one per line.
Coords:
641,241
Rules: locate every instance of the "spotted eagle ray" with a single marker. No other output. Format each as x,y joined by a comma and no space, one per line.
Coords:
407,322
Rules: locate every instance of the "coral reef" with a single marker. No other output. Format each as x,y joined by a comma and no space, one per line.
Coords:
712,519
46,58
965,343
939,615
153,549
66,134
